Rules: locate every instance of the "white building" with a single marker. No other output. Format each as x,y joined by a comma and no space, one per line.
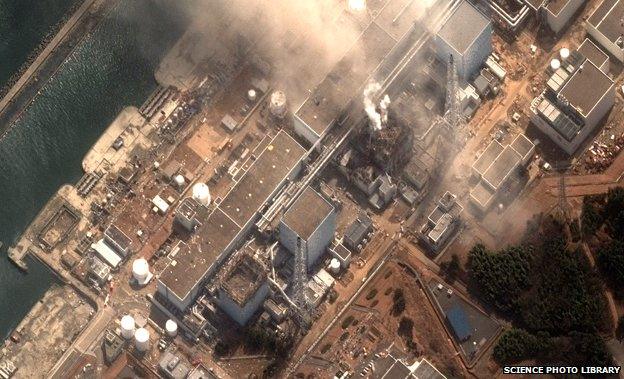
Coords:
467,36
578,96
605,26
312,219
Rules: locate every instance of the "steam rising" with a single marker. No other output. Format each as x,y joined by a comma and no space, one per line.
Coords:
357,5
377,118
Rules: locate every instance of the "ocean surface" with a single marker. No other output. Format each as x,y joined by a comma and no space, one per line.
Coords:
111,68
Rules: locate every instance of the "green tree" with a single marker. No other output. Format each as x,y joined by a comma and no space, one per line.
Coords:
611,263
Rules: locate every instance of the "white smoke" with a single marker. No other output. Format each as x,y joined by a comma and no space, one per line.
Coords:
377,119
369,106
383,106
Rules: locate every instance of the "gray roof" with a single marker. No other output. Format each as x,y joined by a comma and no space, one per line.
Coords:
463,27
489,155
307,213
586,88
502,167
606,18
593,53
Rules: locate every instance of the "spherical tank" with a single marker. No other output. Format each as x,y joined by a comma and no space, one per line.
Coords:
140,269
141,339
564,53
555,64
334,265
179,180
171,327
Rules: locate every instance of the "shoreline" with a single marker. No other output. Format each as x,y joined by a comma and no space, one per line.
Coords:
48,60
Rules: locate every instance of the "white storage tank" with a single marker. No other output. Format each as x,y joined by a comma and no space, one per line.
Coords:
179,180
252,95
127,326
141,339
334,266
171,327
201,194
564,54
277,104
140,270
555,64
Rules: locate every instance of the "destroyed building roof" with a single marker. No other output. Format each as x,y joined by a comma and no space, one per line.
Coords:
586,88
607,19
592,52
271,168
243,278
482,194
120,241
189,265
426,370
307,213
463,27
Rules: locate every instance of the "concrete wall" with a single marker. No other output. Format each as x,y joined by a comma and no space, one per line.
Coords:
303,130
316,244
559,21
242,314
471,61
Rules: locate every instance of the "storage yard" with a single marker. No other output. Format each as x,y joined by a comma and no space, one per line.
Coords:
244,222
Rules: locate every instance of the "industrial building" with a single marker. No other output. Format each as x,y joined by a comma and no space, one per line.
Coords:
243,287
312,220
595,54
467,37
442,222
605,26
496,166
358,233
226,226
577,97
557,13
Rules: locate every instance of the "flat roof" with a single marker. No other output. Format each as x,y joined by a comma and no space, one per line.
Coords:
489,155
426,370
307,213
458,319
193,261
482,194
502,167
593,53
607,19
463,27
555,6
398,371
270,169
522,145
243,278
106,253
586,88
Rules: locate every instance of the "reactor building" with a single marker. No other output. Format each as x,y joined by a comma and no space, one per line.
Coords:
312,219
467,36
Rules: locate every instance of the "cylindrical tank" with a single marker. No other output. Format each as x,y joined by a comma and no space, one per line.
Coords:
334,266
179,180
171,327
127,326
252,95
555,64
141,339
140,270
201,193
564,54
277,104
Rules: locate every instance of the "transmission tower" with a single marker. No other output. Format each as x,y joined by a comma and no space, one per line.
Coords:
300,276
452,111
